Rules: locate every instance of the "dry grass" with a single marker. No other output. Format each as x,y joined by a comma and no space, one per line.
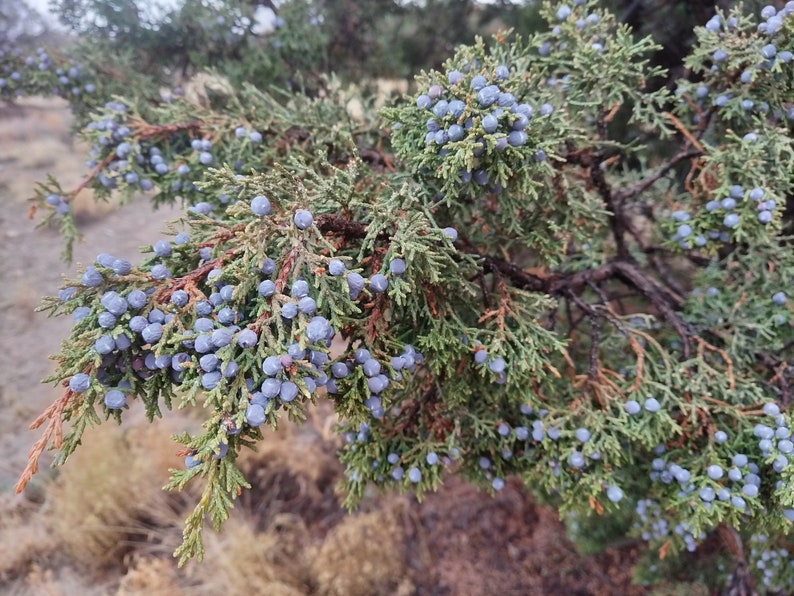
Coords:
245,561
110,501
24,539
153,576
363,554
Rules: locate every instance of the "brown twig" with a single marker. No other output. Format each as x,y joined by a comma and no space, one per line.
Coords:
52,433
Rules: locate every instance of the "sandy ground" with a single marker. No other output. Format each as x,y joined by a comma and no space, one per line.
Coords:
459,541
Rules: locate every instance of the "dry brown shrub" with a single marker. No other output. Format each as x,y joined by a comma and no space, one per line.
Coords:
292,471
242,560
364,554
60,581
153,576
111,497
24,539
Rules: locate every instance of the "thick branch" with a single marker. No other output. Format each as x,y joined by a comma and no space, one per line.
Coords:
663,300
336,224
638,188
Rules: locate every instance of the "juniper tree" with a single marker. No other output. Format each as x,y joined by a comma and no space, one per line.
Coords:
540,264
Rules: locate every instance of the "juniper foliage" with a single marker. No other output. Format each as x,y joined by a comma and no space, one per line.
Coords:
540,264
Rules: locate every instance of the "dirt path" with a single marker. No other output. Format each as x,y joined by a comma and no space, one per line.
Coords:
35,141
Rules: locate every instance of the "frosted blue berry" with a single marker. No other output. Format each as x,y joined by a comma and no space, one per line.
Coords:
396,267
371,367
211,380
272,366
517,138
303,219
271,387
114,399
488,95
582,435
378,283
715,472
720,436
336,267
289,310
652,405
106,320
80,313
719,56
731,220
268,266
80,383
247,338
764,217
288,391
455,132
255,415
160,272
546,109
771,409
223,449
208,362
339,370
226,316
355,283
91,278
779,298
152,333
563,12
451,233
377,383
454,77
266,288
756,194
497,365
162,248
614,494
105,344
632,407
260,205
255,136
318,329
769,51
307,305
415,475
432,458
138,323
490,123
180,298
424,101
478,82
707,494
498,484
520,122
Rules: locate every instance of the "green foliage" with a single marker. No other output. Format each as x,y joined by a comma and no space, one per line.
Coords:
540,264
